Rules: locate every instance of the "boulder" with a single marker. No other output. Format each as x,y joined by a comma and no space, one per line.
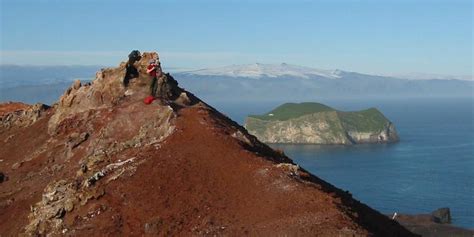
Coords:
183,99
76,85
441,215
168,88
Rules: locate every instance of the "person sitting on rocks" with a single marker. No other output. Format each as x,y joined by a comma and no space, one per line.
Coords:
130,69
154,70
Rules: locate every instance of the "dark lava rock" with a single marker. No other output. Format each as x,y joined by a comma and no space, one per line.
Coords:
2,177
441,215
434,224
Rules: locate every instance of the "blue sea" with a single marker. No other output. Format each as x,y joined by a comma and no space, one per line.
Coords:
431,167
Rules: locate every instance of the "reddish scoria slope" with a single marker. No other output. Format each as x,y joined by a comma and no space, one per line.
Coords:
107,165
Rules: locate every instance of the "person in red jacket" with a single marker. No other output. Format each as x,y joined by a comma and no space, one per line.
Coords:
154,70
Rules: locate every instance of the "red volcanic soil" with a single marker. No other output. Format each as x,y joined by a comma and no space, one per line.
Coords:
180,170
200,181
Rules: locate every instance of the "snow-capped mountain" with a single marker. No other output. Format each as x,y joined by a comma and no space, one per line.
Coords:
259,70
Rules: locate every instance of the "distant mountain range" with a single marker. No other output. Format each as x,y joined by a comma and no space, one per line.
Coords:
259,70
24,75
264,82
32,84
284,82
430,76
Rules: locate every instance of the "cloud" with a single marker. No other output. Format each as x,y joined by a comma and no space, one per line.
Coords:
113,57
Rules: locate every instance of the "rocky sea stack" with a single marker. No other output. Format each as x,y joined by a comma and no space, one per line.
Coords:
314,123
100,162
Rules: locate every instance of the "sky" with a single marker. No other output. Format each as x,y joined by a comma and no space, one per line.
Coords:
368,36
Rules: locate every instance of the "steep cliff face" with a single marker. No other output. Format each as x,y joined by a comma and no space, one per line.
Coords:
103,163
316,128
313,123
387,134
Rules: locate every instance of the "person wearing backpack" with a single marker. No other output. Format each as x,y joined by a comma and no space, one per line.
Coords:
130,69
154,70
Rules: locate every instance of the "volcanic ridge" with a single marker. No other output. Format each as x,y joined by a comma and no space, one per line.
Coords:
100,162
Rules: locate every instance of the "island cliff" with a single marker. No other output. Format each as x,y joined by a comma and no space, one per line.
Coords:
100,162
314,123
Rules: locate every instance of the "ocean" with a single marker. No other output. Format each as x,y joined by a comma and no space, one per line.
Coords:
431,167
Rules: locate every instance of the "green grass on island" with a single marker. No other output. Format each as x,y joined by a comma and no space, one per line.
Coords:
363,121
293,110
368,120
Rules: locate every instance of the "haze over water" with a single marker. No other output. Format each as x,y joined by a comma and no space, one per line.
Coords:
431,167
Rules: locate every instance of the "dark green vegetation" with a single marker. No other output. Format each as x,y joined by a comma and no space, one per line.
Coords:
293,110
363,121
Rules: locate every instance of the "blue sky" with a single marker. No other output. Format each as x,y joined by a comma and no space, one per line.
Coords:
383,37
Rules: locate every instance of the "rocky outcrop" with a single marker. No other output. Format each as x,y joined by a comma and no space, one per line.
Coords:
107,90
328,126
102,163
435,224
441,215
20,115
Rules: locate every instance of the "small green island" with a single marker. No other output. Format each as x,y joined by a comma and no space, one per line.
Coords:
315,123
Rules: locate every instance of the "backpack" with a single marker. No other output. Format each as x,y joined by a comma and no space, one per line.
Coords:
134,56
148,100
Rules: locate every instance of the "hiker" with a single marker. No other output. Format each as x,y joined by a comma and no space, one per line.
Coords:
154,70
130,70
168,87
